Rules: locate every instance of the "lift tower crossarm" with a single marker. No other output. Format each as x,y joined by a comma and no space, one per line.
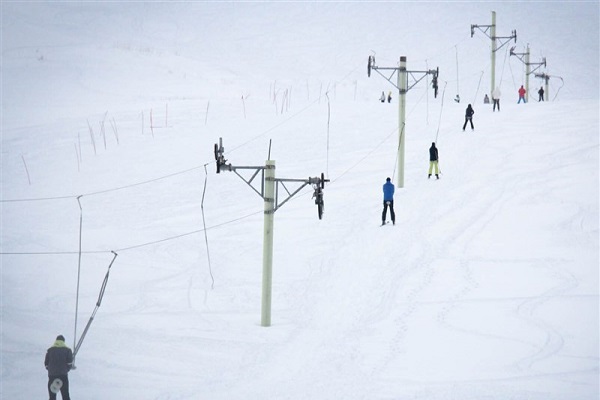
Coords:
389,79
433,72
505,39
416,80
523,58
258,170
485,31
278,182
304,182
502,39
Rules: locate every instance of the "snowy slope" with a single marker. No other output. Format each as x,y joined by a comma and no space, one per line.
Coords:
486,288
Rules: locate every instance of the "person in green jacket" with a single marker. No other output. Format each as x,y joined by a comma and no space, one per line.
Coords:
58,362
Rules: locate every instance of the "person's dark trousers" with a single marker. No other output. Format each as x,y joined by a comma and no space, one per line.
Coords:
467,119
64,390
496,102
390,204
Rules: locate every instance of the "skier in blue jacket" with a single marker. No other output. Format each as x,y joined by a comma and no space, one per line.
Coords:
388,201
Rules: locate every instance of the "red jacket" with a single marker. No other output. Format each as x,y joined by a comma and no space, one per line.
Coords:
522,91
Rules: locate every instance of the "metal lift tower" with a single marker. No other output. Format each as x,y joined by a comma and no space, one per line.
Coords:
269,190
403,87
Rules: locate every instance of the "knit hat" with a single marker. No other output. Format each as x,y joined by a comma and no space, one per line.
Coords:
60,337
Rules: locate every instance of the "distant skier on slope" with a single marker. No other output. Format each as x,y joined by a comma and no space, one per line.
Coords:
541,93
496,98
433,161
388,201
522,92
469,117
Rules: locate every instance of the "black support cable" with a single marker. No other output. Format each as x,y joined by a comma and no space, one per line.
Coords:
441,109
205,234
78,270
98,303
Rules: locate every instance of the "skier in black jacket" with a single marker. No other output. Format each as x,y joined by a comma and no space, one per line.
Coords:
469,117
58,362
433,161
541,93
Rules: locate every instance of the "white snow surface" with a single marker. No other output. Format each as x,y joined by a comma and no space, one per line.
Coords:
487,287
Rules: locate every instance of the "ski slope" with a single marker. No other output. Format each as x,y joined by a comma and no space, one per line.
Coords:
487,287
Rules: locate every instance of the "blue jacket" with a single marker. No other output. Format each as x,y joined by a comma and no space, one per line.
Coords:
388,191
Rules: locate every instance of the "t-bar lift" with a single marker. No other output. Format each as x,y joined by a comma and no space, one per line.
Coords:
269,190
524,57
403,87
492,35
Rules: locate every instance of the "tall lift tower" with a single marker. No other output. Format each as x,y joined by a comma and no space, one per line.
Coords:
402,84
269,190
490,31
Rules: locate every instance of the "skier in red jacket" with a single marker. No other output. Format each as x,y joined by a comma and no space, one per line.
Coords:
522,92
